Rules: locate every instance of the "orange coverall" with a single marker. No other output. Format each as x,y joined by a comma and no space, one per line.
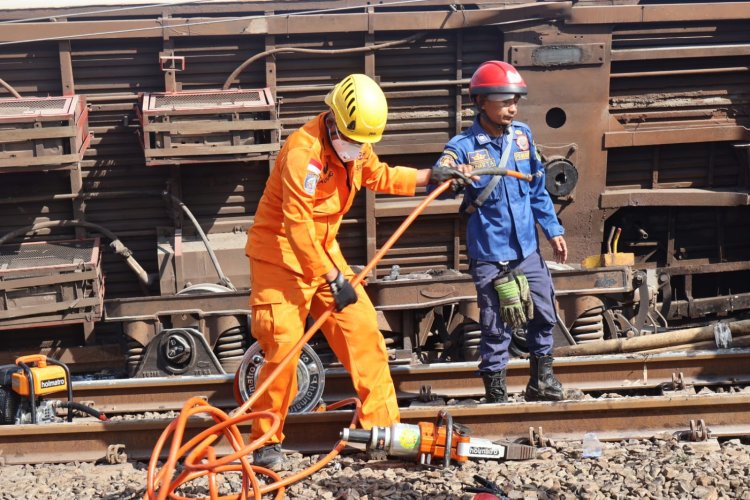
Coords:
291,245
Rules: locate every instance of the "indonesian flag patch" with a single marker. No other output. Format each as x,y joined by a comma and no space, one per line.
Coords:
313,174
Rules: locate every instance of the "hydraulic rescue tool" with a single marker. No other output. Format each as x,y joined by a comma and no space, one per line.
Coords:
23,385
441,440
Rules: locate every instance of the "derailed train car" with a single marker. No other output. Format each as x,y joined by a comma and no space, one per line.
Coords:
135,141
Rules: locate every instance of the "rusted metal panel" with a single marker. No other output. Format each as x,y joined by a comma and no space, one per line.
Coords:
593,281
689,11
258,24
624,122
567,54
566,118
674,197
397,21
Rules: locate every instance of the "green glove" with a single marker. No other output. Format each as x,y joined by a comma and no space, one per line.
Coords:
525,293
511,307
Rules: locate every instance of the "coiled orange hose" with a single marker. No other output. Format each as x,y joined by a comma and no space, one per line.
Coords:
201,455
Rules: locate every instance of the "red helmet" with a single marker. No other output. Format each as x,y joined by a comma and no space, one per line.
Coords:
496,77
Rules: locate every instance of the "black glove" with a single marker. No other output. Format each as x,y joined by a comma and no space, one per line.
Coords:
440,174
343,292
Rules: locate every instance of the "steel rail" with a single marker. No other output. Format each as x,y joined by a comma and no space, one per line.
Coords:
724,415
611,373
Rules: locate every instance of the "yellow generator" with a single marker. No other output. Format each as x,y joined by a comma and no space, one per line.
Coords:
25,385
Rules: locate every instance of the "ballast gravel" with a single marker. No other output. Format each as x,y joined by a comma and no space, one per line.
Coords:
657,468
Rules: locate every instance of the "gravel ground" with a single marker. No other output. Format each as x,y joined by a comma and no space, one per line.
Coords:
656,468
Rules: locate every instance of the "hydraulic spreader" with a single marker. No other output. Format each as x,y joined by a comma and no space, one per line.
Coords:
25,385
441,440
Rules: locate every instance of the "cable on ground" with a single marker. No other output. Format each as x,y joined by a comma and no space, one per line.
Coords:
199,452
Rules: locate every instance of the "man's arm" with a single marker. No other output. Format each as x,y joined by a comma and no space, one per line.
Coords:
543,208
439,174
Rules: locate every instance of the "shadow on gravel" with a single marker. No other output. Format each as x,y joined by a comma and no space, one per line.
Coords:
126,494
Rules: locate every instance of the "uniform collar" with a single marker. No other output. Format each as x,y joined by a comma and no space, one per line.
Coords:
481,136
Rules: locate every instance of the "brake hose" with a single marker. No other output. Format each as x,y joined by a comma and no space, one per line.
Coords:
201,455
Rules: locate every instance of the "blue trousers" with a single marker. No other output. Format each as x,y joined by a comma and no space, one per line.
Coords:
496,335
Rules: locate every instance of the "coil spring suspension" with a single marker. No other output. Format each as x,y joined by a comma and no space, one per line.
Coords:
134,355
472,336
589,326
231,346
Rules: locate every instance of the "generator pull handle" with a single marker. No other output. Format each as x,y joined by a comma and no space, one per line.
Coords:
39,359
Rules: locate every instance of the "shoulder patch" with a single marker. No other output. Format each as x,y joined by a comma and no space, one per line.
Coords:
448,158
314,167
311,182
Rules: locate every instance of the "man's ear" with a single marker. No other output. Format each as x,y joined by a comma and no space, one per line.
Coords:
479,101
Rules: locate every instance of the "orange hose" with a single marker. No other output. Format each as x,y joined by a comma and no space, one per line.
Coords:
201,459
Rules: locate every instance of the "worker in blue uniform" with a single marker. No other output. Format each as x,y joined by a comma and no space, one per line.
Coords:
514,286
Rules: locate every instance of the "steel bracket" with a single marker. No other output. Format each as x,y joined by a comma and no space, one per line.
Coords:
698,431
678,385
427,398
537,438
172,63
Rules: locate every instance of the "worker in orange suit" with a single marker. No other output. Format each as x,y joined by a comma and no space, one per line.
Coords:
296,264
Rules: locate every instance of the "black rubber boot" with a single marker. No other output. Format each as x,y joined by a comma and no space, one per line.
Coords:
494,387
543,386
269,456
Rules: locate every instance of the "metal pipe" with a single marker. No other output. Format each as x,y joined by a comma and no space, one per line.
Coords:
676,337
387,85
116,245
369,48
76,196
10,89
224,280
680,72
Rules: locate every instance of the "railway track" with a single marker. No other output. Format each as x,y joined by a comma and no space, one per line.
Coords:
622,372
695,415
720,415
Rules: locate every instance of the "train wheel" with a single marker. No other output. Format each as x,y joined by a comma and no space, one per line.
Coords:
310,378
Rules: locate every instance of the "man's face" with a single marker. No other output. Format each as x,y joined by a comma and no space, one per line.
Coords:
500,108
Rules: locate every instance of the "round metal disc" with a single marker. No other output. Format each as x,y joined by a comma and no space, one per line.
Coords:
310,377
562,177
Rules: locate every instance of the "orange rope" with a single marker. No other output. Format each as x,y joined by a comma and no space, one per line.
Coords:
201,459
201,455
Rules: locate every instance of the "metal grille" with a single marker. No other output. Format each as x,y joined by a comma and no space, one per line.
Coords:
40,255
32,107
218,99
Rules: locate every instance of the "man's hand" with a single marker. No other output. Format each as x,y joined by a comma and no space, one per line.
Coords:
559,249
342,290
440,174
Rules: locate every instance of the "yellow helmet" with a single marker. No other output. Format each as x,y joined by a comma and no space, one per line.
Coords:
360,108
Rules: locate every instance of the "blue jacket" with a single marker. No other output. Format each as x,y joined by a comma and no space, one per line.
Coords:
503,228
